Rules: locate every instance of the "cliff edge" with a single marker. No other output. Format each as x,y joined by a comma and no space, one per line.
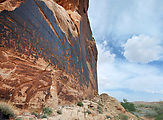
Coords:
47,53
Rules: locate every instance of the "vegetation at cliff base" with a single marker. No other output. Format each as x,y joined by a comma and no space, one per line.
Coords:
108,117
47,111
80,104
35,114
130,107
44,116
6,110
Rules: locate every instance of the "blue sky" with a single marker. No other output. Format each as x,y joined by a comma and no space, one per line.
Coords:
129,38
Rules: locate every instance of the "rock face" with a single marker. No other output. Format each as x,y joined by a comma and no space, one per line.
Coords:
47,53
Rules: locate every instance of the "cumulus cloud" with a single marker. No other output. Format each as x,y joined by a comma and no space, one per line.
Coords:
104,55
142,49
127,80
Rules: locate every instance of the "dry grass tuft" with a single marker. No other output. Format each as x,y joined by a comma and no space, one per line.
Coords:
7,110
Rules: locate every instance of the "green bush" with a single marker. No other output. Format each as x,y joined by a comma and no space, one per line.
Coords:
6,111
107,116
141,105
80,104
123,117
159,117
47,111
116,118
130,107
44,116
59,111
89,112
35,114
150,114
18,119
159,109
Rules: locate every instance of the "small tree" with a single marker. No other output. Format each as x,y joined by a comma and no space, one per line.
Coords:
130,107
125,100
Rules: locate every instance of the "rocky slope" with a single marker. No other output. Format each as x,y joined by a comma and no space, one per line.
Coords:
47,53
102,107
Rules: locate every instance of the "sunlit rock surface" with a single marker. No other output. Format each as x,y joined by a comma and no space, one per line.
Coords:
47,53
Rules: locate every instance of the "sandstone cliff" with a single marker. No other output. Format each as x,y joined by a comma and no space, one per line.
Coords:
47,53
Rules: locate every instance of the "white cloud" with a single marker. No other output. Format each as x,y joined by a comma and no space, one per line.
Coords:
142,78
104,55
113,74
122,18
142,49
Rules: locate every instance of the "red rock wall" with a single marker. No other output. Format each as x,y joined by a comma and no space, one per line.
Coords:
47,53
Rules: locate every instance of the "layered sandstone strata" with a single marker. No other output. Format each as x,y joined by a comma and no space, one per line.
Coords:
47,53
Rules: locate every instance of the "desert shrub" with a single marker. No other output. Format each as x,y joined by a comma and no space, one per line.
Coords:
150,114
89,112
47,111
144,106
141,105
116,118
130,107
159,117
159,109
123,117
59,111
18,119
35,114
99,109
44,116
6,110
107,116
80,104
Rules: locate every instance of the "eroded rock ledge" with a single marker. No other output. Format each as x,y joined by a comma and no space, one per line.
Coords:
47,53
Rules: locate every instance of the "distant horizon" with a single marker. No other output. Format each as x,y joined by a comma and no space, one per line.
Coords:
121,100
129,40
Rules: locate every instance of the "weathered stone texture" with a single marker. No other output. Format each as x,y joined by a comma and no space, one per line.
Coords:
47,52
